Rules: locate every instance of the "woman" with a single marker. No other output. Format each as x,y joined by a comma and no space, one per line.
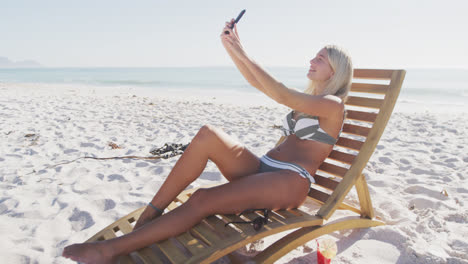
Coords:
279,180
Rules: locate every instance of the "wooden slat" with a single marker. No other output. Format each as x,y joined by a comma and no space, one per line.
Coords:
252,215
190,243
345,206
278,217
297,212
125,227
361,116
145,254
172,206
126,260
148,256
108,234
372,74
349,143
205,233
318,195
341,156
354,172
325,182
356,130
289,217
364,102
171,251
272,221
183,197
285,214
369,88
246,229
220,227
229,245
333,169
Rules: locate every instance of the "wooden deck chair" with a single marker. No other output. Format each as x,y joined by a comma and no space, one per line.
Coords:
373,96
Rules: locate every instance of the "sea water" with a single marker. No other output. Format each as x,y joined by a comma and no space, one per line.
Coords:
429,89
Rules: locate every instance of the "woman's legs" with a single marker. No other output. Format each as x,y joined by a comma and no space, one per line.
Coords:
272,190
210,143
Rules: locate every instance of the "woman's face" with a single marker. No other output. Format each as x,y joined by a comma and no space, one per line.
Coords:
320,69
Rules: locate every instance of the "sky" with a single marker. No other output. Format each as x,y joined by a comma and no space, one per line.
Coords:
168,33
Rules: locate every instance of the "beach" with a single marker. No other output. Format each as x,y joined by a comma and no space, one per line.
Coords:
49,198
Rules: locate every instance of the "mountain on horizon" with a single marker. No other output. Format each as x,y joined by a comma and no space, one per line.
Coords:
6,63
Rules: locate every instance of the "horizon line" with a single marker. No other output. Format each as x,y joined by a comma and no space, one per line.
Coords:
223,66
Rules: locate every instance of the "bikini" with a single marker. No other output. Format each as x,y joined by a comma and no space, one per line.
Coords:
306,127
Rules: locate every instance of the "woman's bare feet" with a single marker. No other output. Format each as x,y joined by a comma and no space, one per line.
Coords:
90,253
145,217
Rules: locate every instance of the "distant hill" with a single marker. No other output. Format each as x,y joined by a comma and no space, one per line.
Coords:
6,63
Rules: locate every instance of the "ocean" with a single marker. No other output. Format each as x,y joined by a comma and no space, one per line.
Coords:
429,89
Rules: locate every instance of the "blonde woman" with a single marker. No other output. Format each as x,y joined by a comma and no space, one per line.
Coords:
278,180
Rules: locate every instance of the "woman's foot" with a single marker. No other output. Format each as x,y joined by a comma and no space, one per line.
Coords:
90,253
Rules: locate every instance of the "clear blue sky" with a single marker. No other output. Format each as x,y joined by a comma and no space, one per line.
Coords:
396,33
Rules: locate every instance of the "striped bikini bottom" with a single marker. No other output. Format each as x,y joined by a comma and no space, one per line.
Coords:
268,164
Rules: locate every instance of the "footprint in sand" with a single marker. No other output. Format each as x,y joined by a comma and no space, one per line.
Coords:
412,181
80,220
419,171
423,203
437,150
105,204
385,160
60,204
68,151
142,164
451,160
404,161
157,170
449,165
87,145
14,156
377,183
417,189
116,177
7,204
460,218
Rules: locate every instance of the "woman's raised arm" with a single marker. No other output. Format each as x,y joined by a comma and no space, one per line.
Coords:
240,65
317,105
252,71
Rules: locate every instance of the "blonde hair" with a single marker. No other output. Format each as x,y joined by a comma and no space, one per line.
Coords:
340,83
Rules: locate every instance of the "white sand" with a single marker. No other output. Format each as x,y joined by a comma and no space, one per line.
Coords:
417,176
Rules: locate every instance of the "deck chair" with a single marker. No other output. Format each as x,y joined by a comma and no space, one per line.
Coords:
369,106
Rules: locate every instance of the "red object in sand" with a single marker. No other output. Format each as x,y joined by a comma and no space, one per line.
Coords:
326,250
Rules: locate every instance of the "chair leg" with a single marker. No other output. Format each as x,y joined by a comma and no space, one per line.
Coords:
364,197
305,234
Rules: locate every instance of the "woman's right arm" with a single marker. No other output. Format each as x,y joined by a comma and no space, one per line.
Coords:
240,65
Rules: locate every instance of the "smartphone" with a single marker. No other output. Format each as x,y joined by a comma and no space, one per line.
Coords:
235,21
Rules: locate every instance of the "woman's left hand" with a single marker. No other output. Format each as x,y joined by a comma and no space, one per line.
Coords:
231,41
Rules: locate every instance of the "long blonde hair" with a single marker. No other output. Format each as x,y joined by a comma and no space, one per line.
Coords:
340,83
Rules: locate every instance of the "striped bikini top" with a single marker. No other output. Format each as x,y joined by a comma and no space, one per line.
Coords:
307,128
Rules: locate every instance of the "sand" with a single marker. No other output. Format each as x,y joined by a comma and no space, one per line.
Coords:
417,176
